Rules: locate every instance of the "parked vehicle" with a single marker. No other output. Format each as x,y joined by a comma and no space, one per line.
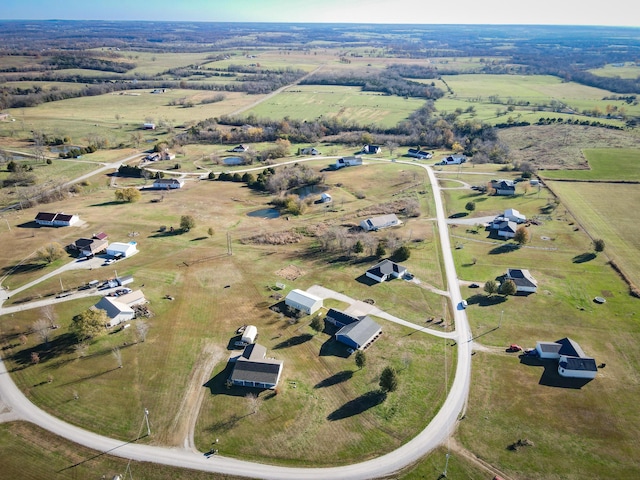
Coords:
514,347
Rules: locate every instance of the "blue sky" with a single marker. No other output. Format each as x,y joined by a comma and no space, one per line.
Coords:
546,12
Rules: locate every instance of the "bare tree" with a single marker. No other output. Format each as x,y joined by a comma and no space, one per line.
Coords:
253,401
81,349
117,354
142,328
49,314
42,329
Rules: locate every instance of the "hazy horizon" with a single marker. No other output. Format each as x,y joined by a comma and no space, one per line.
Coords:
455,12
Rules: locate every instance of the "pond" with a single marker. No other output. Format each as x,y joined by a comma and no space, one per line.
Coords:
307,191
233,161
63,148
265,213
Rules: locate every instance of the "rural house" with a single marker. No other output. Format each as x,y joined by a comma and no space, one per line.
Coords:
168,183
383,221
386,270
507,229
371,149
347,162
417,153
56,219
240,149
503,187
309,151
149,126
453,160
252,369
303,301
572,361
359,335
117,312
89,246
525,283
339,319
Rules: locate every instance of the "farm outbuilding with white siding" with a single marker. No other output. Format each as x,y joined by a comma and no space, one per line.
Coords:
303,301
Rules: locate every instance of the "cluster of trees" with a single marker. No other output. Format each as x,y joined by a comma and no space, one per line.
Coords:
276,181
129,194
82,60
389,81
78,151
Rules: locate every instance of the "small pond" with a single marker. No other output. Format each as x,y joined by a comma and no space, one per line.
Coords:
233,161
304,192
63,148
265,213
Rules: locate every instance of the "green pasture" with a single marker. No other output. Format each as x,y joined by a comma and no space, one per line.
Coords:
350,104
605,164
605,211
629,70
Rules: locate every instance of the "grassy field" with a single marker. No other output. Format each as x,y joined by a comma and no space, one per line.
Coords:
349,104
189,335
610,164
488,94
629,70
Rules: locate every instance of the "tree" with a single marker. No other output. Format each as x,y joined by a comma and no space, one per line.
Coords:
508,287
470,206
142,328
42,329
521,236
380,250
253,401
388,380
401,254
129,194
361,359
598,245
187,222
49,314
117,354
358,247
88,324
491,287
210,231
317,324
50,253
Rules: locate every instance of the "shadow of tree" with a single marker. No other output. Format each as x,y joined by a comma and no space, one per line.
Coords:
486,300
584,257
294,341
506,248
358,405
459,215
60,345
339,377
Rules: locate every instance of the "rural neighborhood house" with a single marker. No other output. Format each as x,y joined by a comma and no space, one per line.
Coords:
253,369
382,221
56,219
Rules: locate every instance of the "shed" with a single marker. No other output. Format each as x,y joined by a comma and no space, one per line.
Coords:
382,221
117,311
548,349
514,215
119,249
249,334
126,280
303,301
359,335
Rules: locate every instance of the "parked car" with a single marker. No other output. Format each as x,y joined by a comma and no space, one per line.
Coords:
514,347
463,304
474,285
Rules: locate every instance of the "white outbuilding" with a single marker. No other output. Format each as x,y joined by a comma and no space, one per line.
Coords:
249,335
303,301
119,249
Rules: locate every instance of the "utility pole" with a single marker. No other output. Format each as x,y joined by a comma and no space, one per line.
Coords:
146,418
446,464
500,322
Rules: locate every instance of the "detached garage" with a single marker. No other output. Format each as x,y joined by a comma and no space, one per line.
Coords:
303,301
117,249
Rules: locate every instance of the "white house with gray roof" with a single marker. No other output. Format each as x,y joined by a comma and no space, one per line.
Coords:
303,301
253,369
525,283
386,270
382,221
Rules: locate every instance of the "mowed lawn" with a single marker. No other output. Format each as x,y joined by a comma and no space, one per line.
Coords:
606,211
348,104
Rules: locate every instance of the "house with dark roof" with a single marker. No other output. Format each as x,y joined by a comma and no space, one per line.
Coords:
253,369
347,162
507,229
240,149
525,283
572,361
417,153
504,187
56,219
89,246
371,149
359,335
339,319
385,270
382,221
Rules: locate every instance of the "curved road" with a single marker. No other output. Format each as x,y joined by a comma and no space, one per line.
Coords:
440,428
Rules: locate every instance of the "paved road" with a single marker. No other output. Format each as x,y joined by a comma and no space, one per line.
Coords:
440,428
